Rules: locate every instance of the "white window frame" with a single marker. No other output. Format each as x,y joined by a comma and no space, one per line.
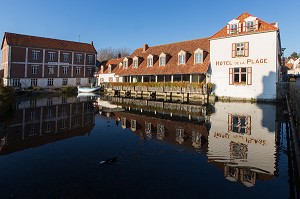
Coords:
109,68
50,82
78,58
33,82
150,61
90,58
240,49
34,69
135,62
78,70
233,28
51,56
198,56
250,26
162,60
181,58
15,82
65,70
125,64
66,57
35,54
50,70
89,70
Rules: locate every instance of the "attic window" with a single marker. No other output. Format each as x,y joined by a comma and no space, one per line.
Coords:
198,56
250,26
101,70
162,60
181,57
233,28
109,68
125,64
135,62
150,61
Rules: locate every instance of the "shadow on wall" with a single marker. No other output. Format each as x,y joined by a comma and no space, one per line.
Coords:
268,94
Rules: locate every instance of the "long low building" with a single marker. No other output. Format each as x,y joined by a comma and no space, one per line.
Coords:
242,60
44,62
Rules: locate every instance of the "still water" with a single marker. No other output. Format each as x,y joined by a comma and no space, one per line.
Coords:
72,147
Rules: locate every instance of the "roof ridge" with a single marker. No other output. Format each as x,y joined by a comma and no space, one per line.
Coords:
10,33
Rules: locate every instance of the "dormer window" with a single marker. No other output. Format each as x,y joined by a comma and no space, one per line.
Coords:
233,28
125,63
135,62
162,59
101,69
109,68
181,57
150,61
250,24
198,56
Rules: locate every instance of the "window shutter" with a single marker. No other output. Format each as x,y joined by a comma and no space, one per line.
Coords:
256,24
244,26
246,48
239,27
229,122
228,29
233,54
249,76
230,76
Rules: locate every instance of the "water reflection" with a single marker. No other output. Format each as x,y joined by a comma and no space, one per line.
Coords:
240,144
44,120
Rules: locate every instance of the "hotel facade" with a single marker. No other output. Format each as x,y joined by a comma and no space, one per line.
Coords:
45,62
242,60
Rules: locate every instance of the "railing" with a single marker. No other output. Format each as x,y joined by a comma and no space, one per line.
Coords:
176,87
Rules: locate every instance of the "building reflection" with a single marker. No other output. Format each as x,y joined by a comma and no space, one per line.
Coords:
40,121
239,138
242,141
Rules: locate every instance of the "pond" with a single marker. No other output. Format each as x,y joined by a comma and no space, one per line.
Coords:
92,147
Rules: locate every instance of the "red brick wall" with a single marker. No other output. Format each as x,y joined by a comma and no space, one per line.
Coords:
46,75
47,56
40,60
17,70
39,74
62,56
18,54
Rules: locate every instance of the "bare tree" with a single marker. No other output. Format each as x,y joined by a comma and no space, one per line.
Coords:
110,53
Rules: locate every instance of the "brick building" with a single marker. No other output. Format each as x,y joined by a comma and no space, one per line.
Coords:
45,62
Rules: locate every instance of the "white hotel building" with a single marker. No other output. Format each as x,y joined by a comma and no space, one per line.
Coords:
242,60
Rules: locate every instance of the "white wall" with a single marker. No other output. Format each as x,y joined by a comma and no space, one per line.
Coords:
261,46
106,77
260,155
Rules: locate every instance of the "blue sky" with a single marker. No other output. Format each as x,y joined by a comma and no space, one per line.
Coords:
132,23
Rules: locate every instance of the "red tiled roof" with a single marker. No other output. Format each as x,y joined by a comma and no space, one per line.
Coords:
289,65
14,39
114,65
171,67
262,27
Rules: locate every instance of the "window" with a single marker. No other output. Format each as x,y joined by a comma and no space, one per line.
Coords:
109,68
49,102
162,60
117,79
35,55
233,28
180,135
181,57
32,131
51,70
198,56
150,61
78,57
126,64
48,127
240,49
135,63
101,69
65,81
34,69
240,76
250,26
33,103
32,115
63,112
33,82
50,82
90,71
66,57
64,100
239,124
90,80
76,121
49,113
63,124
78,70
51,56
90,58
65,70
16,82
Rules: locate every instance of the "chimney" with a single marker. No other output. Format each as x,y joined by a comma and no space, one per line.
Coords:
145,47
119,55
92,43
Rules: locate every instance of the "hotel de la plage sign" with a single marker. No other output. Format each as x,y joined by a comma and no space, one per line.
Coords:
242,62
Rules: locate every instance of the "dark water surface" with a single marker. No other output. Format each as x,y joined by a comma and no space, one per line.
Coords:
52,148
